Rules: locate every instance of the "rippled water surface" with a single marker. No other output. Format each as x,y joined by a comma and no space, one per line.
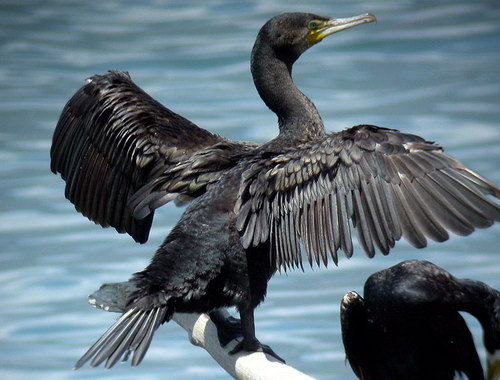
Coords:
429,68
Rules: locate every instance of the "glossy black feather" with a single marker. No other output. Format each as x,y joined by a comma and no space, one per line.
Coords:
408,325
112,139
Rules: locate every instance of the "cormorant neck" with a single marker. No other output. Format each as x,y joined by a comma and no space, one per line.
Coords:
298,118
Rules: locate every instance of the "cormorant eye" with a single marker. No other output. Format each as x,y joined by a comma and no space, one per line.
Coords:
313,25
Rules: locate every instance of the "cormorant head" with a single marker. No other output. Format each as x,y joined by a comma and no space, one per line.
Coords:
290,34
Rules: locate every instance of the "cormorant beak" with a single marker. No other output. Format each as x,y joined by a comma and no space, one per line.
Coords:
322,29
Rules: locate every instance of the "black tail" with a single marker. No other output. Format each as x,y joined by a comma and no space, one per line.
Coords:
131,333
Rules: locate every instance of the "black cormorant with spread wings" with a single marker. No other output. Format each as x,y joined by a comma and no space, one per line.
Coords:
408,325
123,155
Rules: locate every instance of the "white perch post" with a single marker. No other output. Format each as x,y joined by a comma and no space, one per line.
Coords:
203,333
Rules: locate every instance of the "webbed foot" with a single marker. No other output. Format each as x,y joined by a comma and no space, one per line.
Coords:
254,346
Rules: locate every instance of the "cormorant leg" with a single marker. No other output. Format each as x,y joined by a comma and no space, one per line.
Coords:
250,342
228,328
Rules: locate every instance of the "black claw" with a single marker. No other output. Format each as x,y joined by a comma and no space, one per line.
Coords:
255,346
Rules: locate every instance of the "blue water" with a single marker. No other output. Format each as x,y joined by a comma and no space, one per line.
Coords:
430,68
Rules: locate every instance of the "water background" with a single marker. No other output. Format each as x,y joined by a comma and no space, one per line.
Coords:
427,67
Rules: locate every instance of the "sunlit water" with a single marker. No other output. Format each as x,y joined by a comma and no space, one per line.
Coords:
430,68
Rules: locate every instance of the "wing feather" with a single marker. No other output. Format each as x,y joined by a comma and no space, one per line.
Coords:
376,220
334,218
426,222
384,183
344,229
362,225
112,140
410,231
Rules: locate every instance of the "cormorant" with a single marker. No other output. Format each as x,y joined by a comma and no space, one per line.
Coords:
122,155
408,326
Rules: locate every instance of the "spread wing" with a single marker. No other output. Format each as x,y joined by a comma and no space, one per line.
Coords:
112,139
384,183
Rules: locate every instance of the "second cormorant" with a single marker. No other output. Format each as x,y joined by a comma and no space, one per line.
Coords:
408,325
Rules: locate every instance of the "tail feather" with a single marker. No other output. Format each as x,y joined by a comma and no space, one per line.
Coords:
141,333
124,346
144,345
131,333
114,348
102,340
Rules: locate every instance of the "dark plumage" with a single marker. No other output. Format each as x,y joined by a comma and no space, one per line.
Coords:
123,155
408,325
